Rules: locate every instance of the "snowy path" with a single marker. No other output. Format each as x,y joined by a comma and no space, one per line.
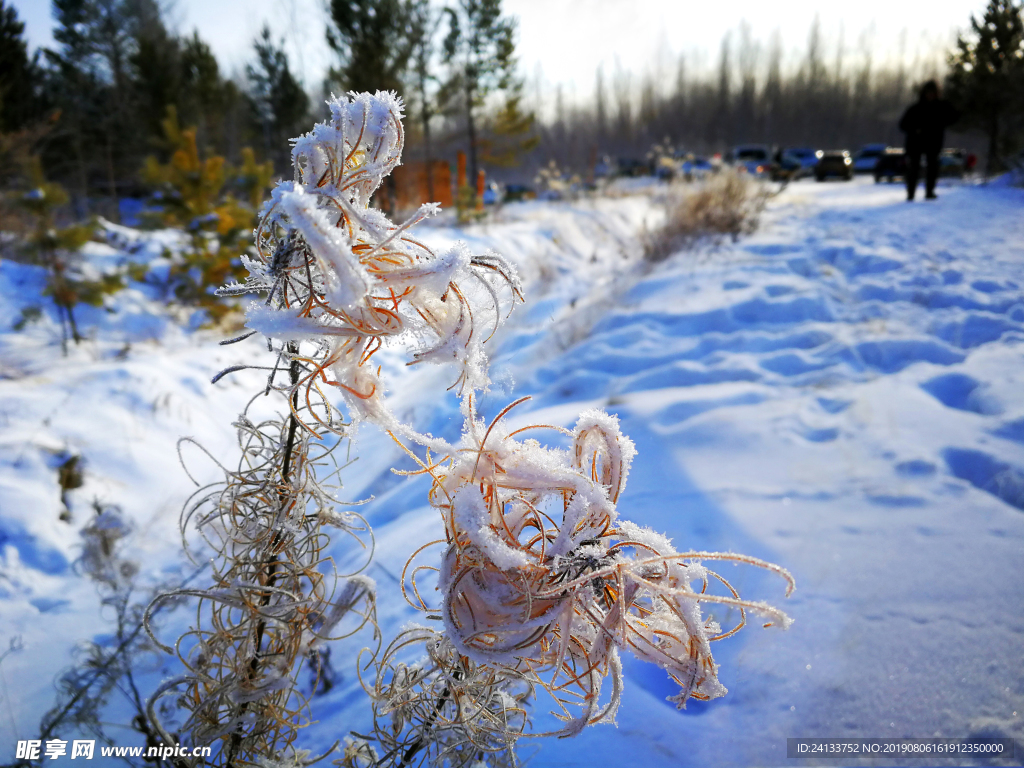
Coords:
839,394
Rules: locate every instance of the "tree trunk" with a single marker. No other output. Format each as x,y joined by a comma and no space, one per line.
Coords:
427,146
116,209
471,131
74,326
991,165
82,204
63,330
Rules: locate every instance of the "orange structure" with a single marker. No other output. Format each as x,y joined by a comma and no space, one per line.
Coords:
418,182
461,164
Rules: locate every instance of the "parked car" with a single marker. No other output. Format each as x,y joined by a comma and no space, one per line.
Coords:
953,163
753,158
834,162
629,166
866,157
694,167
808,159
604,168
787,168
516,192
891,164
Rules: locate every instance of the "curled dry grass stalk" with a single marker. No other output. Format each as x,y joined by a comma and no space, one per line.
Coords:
541,580
274,592
728,204
441,709
541,583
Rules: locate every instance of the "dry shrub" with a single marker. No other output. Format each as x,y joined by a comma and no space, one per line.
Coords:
727,204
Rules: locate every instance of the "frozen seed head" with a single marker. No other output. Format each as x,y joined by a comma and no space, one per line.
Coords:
338,274
541,579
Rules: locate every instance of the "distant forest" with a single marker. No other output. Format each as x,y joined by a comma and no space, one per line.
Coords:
833,97
119,87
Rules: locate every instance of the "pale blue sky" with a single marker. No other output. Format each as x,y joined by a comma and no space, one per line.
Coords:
566,40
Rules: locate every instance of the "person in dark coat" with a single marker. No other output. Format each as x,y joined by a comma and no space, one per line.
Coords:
925,123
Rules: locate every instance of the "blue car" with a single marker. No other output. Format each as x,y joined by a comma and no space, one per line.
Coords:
865,158
807,156
756,159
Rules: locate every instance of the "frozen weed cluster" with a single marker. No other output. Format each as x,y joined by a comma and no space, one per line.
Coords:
541,579
554,183
662,158
540,583
107,670
274,596
728,204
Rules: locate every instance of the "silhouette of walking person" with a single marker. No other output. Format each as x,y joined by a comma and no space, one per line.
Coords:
925,123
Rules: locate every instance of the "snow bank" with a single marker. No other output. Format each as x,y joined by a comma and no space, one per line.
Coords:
839,393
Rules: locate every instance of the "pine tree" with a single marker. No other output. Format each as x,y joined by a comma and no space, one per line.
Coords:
424,22
76,88
214,203
372,38
20,101
93,82
986,81
57,250
480,48
280,103
157,65
510,133
222,114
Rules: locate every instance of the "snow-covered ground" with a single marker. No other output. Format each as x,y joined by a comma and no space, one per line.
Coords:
839,393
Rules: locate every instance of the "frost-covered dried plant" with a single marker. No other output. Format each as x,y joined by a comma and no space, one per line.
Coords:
542,580
555,183
104,677
661,157
441,708
101,558
338,280
542,584
341,276
728,204
275,594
